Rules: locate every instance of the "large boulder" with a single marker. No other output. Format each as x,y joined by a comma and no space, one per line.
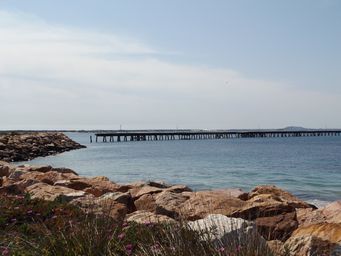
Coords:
163,203
50,177
274,211
104,205
268,192
219,228
315,239
96,186
170,203
145,217
234,236
331,213
202,203
254,210
45,168
50,193
10,186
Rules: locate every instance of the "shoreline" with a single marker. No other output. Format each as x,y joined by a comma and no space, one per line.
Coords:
42,144
81,157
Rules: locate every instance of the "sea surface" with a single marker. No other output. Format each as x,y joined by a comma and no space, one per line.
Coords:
309,167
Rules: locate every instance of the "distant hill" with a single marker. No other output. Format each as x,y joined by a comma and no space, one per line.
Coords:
294,128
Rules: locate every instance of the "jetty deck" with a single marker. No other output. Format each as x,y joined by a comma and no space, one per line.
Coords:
161,135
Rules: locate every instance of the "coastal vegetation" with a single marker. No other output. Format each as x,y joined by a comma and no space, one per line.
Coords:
37,227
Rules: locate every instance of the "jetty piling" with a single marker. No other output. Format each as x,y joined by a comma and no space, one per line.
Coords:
151,135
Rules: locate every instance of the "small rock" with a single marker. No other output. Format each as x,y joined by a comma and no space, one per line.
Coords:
2,146
64,170
17,174
44,168
6,169
73,195
157,184
178,189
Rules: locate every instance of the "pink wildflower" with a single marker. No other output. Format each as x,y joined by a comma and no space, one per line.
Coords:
148,223
155,248
5,251
129,249
121,236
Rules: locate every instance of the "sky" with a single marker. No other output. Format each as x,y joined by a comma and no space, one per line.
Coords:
157,64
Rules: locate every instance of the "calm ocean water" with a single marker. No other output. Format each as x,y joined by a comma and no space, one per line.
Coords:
308,167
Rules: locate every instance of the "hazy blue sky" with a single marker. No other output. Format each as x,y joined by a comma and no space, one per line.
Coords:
167,64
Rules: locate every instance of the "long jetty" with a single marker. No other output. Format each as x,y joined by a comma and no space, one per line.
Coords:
161,135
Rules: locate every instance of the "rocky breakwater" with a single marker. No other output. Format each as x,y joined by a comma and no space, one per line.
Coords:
15,146
285,223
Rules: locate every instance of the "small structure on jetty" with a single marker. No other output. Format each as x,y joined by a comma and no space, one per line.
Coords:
151,135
